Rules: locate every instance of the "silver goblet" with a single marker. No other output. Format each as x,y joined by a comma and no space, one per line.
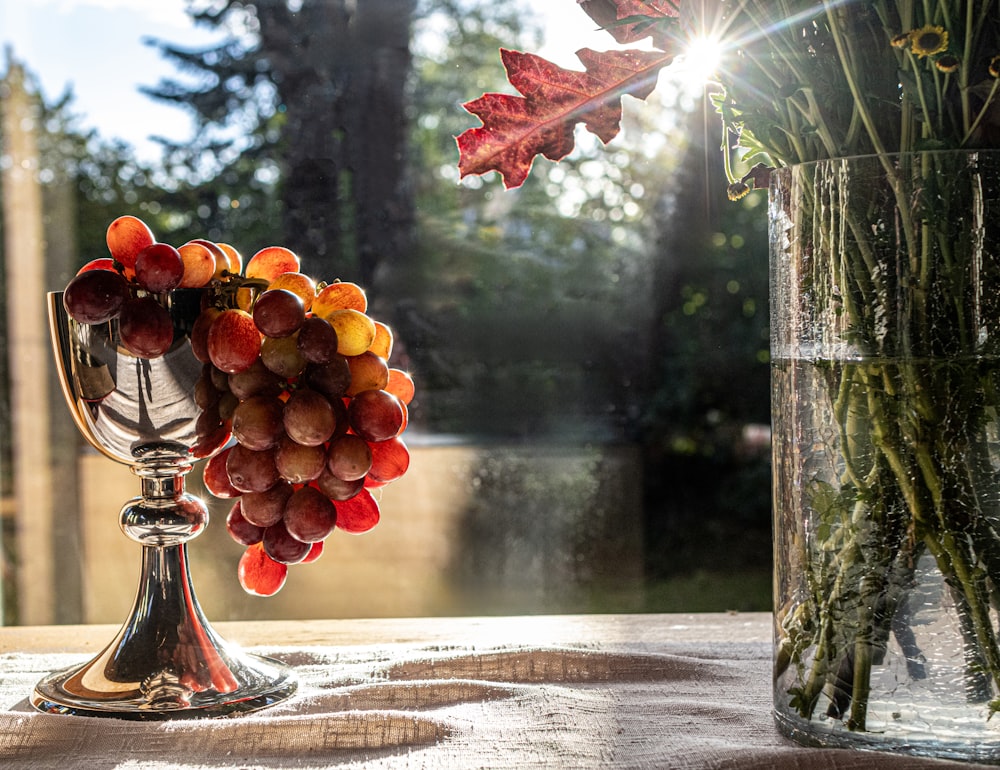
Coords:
166,661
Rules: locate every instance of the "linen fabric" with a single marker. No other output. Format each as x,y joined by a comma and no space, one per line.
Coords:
588,704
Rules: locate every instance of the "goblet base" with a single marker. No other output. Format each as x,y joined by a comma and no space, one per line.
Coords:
86,691
167,662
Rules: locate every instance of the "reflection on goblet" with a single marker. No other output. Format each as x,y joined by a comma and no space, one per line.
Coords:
166,661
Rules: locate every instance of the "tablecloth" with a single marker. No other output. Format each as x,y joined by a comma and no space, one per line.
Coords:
592,703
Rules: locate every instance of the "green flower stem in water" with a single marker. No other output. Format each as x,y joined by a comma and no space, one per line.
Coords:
895,317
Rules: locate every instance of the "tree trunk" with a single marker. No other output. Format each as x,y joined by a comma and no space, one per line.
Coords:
340,74
376,143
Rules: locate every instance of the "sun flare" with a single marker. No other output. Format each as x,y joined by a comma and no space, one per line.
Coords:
700,60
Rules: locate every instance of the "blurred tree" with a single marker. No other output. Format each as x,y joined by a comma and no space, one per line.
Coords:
74,184
531,302
704,429
302,109
309,96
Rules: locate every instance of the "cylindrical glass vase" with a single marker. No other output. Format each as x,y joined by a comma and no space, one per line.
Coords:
885,340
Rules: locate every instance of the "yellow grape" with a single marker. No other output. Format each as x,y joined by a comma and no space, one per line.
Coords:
234,258
126,237
199,265
340,295
368,372
400,384
270,262
355,331
382,344
221,258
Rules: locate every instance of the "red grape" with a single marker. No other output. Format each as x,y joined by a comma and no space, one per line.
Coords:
278,313
390,460
358,514
266,508
281,355
233,342
340,295
382,344
210,440
159,267
400,385
256,380
234,259
219,378
199,333
340,410
368,372
206,394
223,263
314,552
297,283
309,515
101,263
227,405
331,379
259,574
338,489
241,530
298,463
145,327
349,457
95,296
199,265
282,547
308,417
375,415
406,417
216,477
317,340
257,422
250,470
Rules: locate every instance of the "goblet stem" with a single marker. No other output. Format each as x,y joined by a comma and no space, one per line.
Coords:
166,661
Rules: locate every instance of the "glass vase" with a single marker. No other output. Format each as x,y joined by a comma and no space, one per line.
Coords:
885,333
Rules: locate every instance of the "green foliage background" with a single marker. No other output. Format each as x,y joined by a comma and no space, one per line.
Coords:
616,298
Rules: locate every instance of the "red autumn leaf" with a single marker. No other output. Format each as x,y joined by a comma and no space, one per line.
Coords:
607,13
541,121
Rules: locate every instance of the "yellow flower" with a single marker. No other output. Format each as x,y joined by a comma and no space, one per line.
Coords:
995,66
928,40
900,41
947,63
737,190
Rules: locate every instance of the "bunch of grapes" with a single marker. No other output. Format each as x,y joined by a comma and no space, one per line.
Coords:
301,415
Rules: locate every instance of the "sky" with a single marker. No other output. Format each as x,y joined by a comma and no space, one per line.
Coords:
96,48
